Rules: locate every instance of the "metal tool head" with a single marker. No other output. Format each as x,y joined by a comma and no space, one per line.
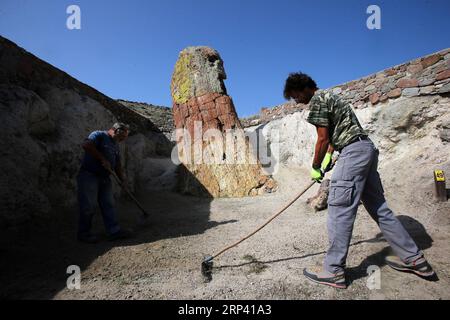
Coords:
207,266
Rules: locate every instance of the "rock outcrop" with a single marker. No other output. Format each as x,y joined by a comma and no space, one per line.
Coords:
217,159
390,121
160,116
46,115
411,131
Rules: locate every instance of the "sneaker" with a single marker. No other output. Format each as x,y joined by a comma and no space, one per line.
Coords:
318,275
120,235
88,238
419,266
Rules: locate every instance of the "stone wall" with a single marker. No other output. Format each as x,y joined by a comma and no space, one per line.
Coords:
426,76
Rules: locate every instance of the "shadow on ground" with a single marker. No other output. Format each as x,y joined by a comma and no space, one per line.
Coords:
417,232
414,228
35,257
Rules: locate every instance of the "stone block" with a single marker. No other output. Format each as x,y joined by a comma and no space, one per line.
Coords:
430,60
427,90
444,88
395,93
410,92
426,81
407,83
443,75
374,98
414,68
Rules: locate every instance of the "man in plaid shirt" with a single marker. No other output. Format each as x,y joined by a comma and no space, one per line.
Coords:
355,179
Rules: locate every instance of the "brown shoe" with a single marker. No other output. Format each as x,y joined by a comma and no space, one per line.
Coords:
419,266
318,275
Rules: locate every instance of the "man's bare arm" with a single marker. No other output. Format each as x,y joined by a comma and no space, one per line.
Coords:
322,146
330,149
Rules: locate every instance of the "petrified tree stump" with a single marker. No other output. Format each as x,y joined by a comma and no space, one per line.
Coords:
217,158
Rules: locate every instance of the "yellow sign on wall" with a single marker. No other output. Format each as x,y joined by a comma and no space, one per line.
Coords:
439,175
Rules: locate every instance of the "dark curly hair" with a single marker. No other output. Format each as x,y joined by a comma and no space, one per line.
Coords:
298,81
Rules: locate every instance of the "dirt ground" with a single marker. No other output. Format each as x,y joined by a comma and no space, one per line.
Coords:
163,260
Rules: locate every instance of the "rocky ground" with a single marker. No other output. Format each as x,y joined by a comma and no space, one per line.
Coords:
163,260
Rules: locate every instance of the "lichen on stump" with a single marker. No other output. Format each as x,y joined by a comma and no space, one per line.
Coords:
217,158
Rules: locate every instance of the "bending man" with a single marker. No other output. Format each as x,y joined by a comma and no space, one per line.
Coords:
102,155
355,178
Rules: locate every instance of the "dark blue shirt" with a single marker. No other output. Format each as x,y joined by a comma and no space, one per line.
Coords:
107,147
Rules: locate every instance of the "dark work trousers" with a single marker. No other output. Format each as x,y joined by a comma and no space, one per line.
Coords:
93,189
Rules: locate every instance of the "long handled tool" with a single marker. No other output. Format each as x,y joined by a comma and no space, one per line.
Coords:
207,263
145,214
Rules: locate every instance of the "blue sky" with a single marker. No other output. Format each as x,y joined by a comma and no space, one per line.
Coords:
127,49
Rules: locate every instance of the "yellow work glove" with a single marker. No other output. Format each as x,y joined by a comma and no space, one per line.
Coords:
326,163
316,175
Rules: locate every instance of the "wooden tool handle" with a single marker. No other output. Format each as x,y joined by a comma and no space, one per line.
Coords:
128,192
265,223
271,218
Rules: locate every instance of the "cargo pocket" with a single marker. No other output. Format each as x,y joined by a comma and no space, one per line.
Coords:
341,193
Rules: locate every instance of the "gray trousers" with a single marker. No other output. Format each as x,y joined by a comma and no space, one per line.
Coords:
355,178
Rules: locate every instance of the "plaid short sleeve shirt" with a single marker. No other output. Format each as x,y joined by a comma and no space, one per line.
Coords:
329,110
